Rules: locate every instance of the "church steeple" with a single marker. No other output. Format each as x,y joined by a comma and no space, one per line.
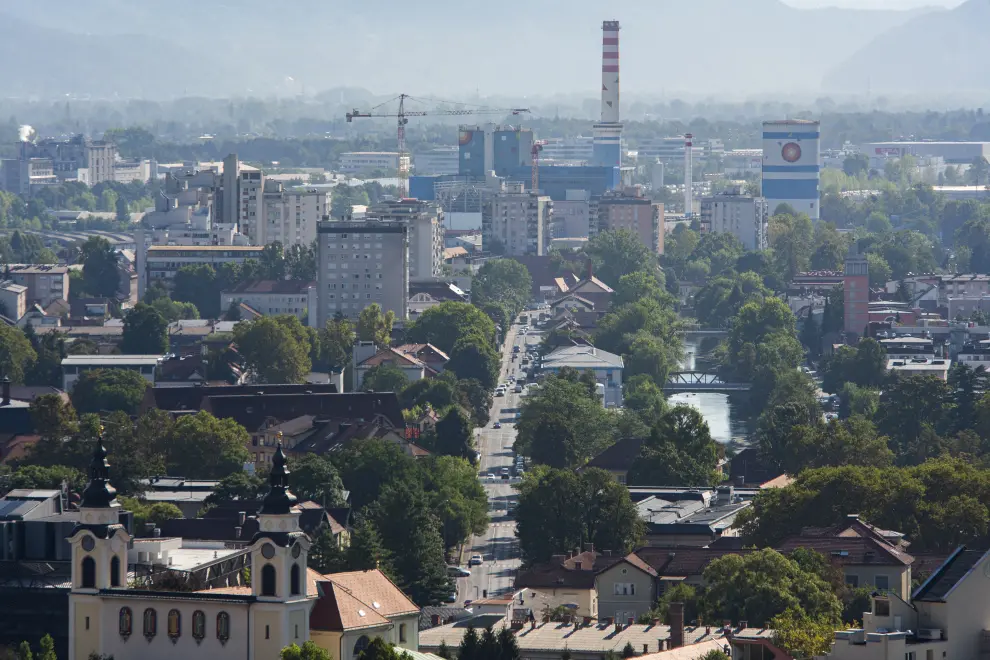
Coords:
279,500
99,494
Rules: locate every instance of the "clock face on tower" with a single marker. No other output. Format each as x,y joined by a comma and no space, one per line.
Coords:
268,551
88,543
296,550
791,152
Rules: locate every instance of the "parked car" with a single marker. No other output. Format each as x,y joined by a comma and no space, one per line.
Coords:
497,425
504,470
457,571
452,598
476,560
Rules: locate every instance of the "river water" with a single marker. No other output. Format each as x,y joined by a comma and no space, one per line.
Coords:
725,414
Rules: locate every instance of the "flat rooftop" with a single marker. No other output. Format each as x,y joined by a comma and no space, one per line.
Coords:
110,360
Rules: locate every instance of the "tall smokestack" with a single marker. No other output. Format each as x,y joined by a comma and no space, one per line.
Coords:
607,147
610,72
688,174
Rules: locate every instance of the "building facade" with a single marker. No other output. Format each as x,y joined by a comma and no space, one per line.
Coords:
360,263
520,223
439,160
353,162
290,216
743,216
162,262
271,297
572,216
45,284
13,300
250,205
791,165
631,211
426,231
856,294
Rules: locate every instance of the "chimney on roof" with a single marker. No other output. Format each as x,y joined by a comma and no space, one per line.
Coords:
6,391
591,269
676,612
743,624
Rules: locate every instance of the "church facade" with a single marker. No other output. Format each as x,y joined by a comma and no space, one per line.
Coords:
108,617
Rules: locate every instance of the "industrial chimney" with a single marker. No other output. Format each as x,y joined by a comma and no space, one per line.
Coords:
607,145
688,174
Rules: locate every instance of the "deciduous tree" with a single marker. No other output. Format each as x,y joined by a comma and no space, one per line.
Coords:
145,332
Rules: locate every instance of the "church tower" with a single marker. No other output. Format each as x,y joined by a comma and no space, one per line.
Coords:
99,556
278,567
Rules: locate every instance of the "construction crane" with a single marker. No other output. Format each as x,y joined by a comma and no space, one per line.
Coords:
537,148
402,117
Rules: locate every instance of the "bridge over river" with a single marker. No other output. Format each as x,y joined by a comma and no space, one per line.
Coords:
701,381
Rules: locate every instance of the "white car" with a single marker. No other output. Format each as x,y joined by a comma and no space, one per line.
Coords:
489,477
476,560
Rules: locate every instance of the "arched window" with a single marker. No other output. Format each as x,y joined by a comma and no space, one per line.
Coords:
294,580
361,645
88,573
174,625
150,623
268,580
115,572
125,621
223,627
199,625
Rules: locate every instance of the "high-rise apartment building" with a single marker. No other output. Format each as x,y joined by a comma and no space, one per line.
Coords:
519,222
792,165
856,292
291,216
226,205
250,196
360,263
631,210
734,213
426,229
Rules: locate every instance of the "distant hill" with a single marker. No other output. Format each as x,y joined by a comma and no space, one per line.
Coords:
945,51
442,47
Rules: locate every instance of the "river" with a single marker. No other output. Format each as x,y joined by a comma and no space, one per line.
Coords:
724,413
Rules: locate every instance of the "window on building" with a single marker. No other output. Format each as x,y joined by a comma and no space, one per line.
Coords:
115,572
88,573
125,621
198,625
402,632
294,580
882,582
852,580
881,607
268,580
150,623
174,625
223,627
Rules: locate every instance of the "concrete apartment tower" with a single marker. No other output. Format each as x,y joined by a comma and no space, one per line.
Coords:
228,199
856,292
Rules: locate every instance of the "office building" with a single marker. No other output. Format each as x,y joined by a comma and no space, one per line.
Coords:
45,284
953,153
77,158
160,263
520,223
439,160
131,171
856,293
734,213
354,162
493,148
290,216
426,230
576,149
227,211
668,150
791,165
271,297
359,263
74,366
741,163
630,210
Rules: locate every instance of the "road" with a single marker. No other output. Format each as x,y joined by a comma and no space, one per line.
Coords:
498,545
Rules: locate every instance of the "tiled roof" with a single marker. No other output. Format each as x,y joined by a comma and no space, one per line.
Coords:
191,397
849,551
682,561
577,571
374,587
359,599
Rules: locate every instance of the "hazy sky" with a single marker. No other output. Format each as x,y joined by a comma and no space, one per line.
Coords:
874,4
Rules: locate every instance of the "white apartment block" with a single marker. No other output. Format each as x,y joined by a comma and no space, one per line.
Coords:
520,223
250,202
360,263
369,161
290,216
744,217
271,297
425,221
13,300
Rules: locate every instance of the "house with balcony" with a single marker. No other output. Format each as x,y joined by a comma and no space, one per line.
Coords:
606,366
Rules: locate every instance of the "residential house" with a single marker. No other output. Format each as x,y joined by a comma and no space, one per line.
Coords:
692,517
74,366
355,608
271,297
866,555
946,617
682,564
416,361
424,295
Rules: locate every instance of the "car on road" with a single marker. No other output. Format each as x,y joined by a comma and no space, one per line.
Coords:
489,477
457,571
476,560
518,389
500,392
497,425
515,349
504,470
452,598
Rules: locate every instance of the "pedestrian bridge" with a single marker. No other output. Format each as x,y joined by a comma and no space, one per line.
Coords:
698,331
701,381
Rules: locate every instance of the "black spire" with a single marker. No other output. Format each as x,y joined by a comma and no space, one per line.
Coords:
99,494
279,500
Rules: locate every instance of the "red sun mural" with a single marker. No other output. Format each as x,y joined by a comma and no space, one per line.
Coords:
791,152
